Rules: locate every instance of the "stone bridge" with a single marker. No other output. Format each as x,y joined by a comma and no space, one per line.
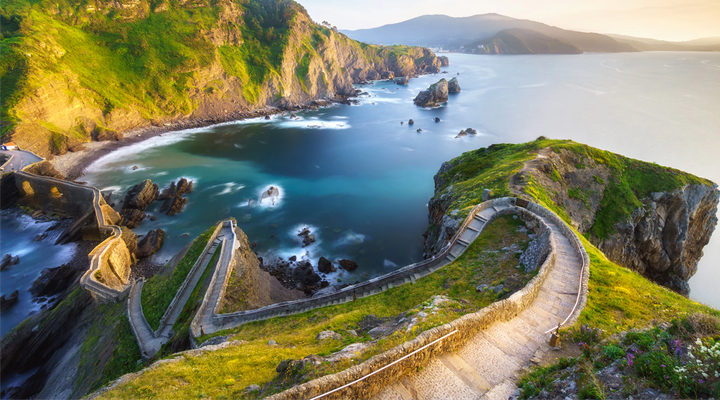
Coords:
110,262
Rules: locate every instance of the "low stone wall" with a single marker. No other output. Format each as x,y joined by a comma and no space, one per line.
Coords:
575,240
373,286
431,343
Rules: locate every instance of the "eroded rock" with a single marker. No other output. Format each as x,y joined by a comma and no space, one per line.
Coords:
435,95
150,243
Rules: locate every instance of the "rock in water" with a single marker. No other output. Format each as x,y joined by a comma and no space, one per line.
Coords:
271,193
402,80
444,61
454,86
150,243
461,134
54,280
307,237
348,265
325,266
411,122
437,120
141,195
306,278
435,95
132,217
174,201
8,301
8,260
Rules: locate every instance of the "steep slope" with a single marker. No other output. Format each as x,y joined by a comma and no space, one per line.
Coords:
85,70
467,33
521,41
652,219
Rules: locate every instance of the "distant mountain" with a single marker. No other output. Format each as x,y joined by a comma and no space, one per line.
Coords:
644,44
498,34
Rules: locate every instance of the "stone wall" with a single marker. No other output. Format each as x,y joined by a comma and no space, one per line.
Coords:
415,354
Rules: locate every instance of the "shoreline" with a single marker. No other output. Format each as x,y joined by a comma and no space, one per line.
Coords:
73,164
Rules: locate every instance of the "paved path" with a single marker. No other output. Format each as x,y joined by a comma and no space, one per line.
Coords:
150,341
19,159
487,367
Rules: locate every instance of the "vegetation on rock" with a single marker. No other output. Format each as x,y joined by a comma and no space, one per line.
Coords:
72,72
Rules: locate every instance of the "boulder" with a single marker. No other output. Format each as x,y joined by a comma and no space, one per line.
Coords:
411,122
348,265
471,131
307,237
402,80
174,205
55,280
328,335
437,120
305,277
419,130
150,243
325,266
462,133
8,260
8,301
132,217
141,195
454,86
174,202
435,95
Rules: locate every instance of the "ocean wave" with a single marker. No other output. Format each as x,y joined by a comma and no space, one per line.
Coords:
301,123
350,238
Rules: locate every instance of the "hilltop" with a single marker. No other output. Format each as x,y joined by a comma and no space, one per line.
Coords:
77,71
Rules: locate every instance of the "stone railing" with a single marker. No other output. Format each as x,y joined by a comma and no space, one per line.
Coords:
368,378
110,261
376,285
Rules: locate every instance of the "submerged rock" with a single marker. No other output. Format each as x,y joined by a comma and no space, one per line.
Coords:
435,95
348,265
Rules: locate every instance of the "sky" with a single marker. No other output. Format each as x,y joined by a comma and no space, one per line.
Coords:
658,19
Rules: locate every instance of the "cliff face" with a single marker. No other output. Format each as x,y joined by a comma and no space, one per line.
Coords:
94,70
652,219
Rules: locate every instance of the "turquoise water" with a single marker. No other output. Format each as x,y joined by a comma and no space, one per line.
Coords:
17,232
362,181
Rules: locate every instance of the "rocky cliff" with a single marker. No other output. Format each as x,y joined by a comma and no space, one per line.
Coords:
93,70
652,219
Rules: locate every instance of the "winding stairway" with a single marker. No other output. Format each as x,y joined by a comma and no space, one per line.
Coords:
487,367
149,341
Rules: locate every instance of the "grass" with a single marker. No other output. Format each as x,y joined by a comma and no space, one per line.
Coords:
158,291
226,372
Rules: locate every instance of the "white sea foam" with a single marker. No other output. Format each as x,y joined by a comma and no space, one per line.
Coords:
228,188
389,264
111,189
350,238
271,201
301,123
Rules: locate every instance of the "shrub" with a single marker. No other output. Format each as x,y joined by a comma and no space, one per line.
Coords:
657,366
586,334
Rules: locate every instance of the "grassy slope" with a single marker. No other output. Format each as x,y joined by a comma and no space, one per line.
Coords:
144,58
228,371
619,299
492,167
158,291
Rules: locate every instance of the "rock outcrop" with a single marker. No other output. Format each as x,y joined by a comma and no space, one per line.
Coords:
150,243
444,61
435,95
141,195
55,280
173,196
454,86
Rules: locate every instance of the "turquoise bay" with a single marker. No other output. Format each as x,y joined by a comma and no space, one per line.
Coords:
362,180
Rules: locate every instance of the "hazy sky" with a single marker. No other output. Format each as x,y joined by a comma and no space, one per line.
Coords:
661,19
